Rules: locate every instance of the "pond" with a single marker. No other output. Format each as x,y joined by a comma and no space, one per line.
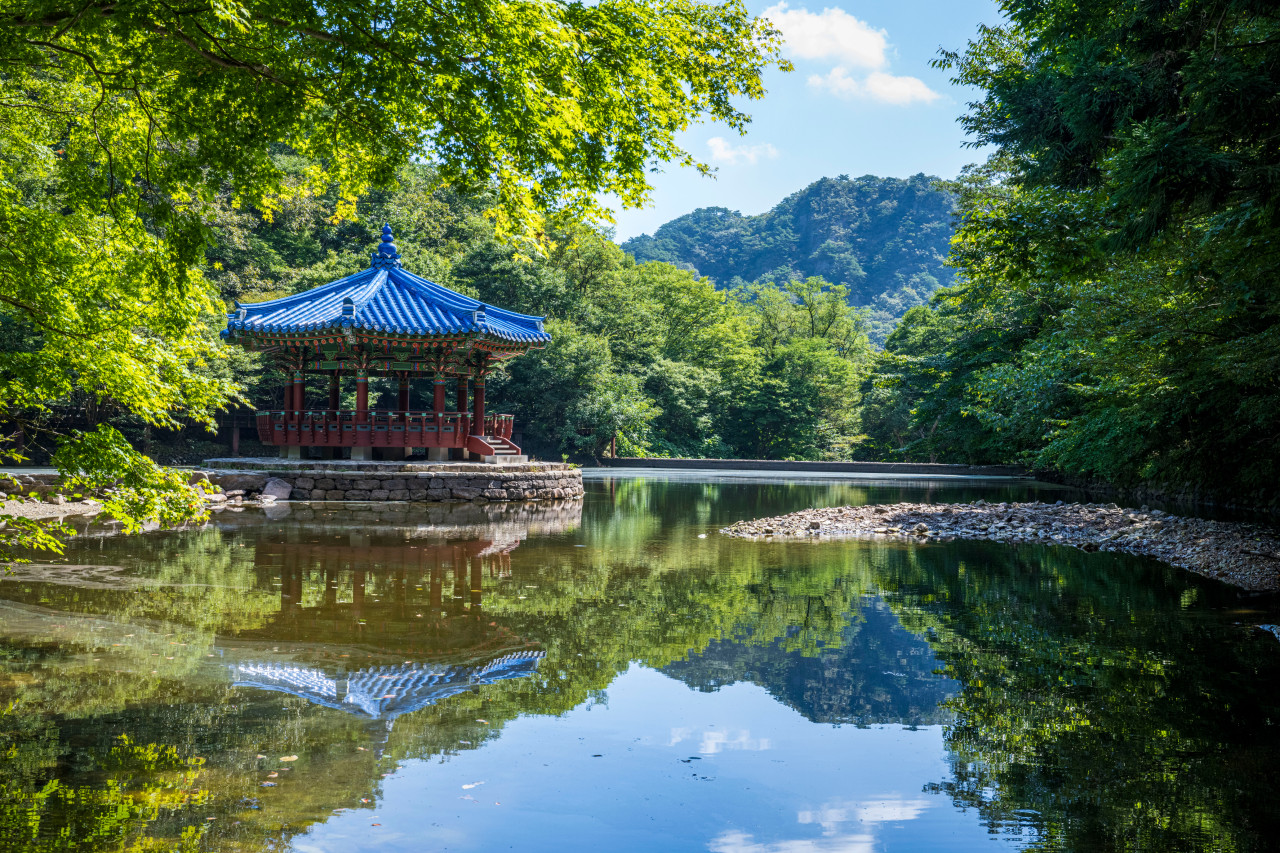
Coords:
614,674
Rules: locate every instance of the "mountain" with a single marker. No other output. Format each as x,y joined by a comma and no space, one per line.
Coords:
885,238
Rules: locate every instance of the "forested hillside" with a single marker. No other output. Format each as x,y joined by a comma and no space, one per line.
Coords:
1116,306
883,238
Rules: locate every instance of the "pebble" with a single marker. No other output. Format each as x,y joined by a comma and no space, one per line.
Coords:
1246,555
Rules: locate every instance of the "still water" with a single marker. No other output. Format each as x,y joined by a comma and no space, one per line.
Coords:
600,676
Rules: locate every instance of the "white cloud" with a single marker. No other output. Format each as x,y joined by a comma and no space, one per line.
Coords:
835,35
722,151
877,86
830,34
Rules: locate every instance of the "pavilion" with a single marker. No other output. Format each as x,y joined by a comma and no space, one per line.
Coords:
386,321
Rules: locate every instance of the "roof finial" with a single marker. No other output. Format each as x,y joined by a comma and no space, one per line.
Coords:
386,256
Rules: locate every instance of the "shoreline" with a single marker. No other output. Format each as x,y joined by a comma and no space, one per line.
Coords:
42,510
1238,553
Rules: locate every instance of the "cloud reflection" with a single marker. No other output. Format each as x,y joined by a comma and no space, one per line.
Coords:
741,842
713,742
884,810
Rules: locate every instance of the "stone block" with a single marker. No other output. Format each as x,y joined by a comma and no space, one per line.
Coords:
304,483
418,494
277,488
356,494
300,495
368,485
379,494
398,494
394,485
325,483
343,483
466,493
495,494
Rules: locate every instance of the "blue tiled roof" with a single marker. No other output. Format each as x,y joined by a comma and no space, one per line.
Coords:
385,298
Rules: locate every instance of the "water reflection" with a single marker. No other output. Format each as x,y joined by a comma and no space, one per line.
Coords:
597,675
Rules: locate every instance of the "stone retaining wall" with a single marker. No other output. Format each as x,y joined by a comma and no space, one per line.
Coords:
473,482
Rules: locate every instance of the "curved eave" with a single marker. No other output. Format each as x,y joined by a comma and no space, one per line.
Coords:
385,301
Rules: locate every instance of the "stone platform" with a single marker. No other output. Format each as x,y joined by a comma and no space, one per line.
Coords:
400,480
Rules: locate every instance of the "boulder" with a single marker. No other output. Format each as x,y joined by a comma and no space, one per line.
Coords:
246,481
277,488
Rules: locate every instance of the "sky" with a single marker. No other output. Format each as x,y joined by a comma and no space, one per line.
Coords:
862,100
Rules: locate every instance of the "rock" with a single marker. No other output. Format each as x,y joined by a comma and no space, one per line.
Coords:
233,493
216,498
815,525
277,488
56,499
379,495
304,483
356,495
233,480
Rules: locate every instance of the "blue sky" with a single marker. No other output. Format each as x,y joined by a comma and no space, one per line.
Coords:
861,101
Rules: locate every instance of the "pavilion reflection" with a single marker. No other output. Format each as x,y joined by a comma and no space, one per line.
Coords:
381,616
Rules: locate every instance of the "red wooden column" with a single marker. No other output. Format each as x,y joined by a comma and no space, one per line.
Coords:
437,394
362,396
362,448
404,393
477,414
334,389
461,452
299,392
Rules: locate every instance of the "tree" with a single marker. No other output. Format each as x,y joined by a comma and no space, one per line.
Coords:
127,125
1116,301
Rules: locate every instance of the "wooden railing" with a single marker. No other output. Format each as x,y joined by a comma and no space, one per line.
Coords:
346,428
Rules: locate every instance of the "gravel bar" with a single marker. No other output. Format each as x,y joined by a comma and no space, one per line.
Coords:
1246,555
